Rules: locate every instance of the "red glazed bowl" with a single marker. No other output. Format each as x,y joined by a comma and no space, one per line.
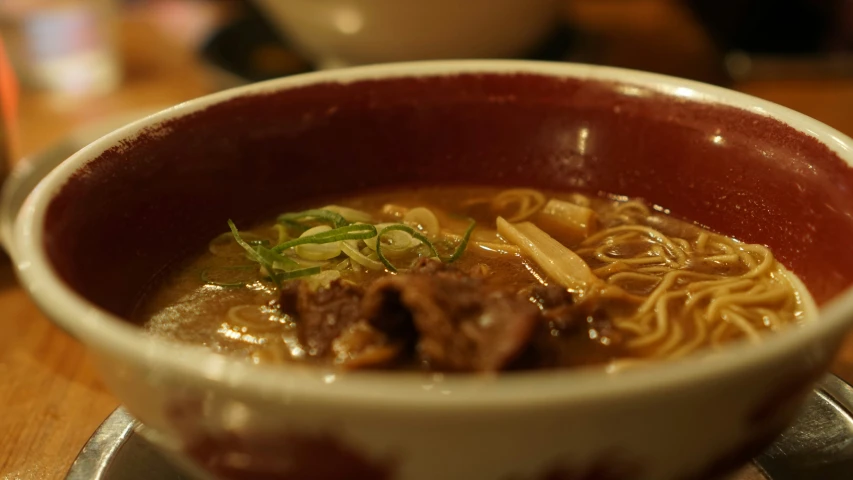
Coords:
97,230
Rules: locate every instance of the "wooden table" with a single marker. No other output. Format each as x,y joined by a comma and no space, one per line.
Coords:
51,399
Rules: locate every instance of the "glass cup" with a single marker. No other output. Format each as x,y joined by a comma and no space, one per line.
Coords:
66,46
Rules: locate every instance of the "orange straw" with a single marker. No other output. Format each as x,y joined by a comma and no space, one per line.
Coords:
8,106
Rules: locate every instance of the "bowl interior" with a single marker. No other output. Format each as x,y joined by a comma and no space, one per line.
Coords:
141,204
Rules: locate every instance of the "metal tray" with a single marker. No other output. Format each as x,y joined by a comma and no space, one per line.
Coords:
818,446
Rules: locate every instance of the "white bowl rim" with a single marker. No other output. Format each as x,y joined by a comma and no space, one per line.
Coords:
108,333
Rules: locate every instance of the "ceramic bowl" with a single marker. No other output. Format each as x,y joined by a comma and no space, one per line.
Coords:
335,33
99,227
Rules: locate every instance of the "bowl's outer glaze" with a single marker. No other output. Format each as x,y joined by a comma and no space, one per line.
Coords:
145,201
696,433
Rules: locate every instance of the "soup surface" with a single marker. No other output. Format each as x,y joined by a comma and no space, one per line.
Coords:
471,278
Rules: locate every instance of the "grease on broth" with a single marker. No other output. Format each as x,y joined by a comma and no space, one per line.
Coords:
638,284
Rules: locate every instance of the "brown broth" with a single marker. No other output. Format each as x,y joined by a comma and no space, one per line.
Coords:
184,308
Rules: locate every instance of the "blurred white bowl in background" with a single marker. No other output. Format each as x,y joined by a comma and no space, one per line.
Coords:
335,33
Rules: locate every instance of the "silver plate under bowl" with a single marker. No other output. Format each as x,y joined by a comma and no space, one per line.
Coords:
818,446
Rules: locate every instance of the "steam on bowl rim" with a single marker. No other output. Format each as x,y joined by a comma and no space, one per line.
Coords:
115,337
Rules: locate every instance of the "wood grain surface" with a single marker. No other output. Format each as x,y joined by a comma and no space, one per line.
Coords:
51,399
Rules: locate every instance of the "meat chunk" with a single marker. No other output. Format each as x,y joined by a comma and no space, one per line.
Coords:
432,266
362,346
557,306
550,296
441,316
323,314
570,333
455,321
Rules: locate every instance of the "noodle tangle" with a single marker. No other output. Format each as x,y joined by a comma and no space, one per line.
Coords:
697,290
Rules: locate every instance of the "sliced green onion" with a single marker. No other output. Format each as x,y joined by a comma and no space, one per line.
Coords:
350,214
318,251
250,250
350,232
424,220
276,260
463,244
405,228
399,243
359,258
281,230
336,219
288,225
303,272
269,259
460,249
225,246
308,263
208,281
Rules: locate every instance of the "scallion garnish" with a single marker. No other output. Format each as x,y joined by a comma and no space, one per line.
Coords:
277,260
281,268
414,233
460,249
336,219
402,228
303,272
360,231
264,256
250,250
